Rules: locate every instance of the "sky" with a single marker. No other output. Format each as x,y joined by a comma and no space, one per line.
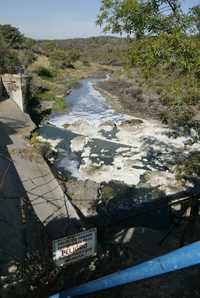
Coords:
56,18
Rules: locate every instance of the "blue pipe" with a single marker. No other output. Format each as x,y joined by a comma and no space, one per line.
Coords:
178,259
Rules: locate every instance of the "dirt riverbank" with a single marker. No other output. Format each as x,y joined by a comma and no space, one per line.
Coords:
129,98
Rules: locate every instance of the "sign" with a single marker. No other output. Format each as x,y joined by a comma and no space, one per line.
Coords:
75,247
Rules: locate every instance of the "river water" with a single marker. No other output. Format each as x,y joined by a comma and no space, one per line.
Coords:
95,142
86,104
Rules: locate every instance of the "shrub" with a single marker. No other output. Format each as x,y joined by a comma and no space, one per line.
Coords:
60,58
176,50
34,138
107,193
44,72
189,167
45,96
174,60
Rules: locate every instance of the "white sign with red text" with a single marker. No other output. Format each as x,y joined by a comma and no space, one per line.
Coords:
74,248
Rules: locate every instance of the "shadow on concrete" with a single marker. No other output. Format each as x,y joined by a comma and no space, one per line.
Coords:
11,125
9,128
21,232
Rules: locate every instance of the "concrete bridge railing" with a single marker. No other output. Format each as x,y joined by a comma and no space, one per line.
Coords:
16,86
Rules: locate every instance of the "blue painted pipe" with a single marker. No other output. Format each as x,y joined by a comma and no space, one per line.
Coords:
181,258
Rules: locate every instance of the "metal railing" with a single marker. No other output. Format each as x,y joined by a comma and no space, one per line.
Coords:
181,258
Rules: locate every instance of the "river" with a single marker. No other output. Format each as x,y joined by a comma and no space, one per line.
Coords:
95,142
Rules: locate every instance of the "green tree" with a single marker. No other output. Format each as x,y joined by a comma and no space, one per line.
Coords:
137,17
12,36
8,58
195,14
122,17
2,54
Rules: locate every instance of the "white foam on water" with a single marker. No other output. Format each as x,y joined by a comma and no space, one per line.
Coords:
90,114
69,163
86,104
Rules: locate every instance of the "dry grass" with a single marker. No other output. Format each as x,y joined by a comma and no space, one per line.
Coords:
41,61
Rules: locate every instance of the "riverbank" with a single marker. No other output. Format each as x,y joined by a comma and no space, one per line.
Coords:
157,97
130,99
131,96
49,85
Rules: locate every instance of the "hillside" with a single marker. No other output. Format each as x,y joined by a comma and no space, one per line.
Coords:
102,50
56,66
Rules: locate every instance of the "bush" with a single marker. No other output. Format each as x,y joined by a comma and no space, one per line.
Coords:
26,57
45,96
60,58
176,115
173,60
189,167
34,138
44,72
178,51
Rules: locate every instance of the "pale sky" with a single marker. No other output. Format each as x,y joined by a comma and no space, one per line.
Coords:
56,18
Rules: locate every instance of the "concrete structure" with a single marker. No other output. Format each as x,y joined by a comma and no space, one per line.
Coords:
43,190
46,196
17,86
30,196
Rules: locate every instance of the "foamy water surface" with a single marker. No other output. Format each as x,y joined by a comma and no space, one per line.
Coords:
102,145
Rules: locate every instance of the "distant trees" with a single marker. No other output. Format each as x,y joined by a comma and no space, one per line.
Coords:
64,58
61,58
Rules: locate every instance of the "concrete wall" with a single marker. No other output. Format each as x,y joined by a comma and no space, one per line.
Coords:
16,86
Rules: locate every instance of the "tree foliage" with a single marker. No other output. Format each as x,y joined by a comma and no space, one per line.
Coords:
63,58
137,18
2,53
12,36
163,45
195,16
8,59
16,51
